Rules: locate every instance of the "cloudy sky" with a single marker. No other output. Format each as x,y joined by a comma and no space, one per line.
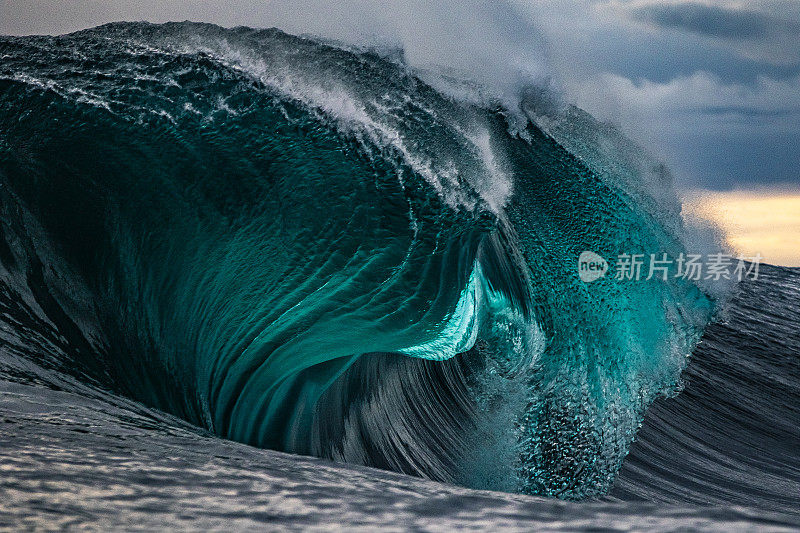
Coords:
713,87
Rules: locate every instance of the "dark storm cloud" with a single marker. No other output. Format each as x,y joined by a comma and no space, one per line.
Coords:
661,58
714,21
746,111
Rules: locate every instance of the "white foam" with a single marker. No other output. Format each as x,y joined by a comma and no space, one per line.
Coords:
362,118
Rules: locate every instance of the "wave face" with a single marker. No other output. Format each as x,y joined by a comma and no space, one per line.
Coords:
730,437
307,248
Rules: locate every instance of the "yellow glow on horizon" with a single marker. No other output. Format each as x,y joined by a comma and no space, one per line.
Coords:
765,222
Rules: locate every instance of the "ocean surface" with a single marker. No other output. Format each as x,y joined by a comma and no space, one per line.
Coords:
254,280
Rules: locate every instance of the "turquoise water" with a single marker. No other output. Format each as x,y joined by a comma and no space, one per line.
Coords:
309,249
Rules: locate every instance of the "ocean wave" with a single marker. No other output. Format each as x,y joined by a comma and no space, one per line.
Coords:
310,249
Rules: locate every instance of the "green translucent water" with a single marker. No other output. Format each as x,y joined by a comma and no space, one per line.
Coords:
309,249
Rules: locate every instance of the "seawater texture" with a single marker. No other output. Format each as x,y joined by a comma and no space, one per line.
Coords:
721,456
307,248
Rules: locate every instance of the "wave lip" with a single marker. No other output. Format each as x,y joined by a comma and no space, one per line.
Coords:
310,249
